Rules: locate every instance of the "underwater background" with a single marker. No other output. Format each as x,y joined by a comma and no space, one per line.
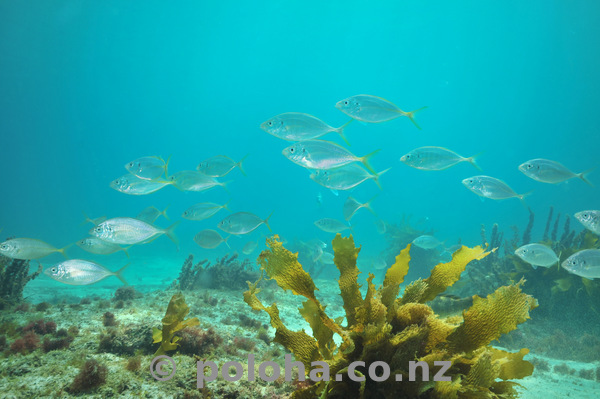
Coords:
87,86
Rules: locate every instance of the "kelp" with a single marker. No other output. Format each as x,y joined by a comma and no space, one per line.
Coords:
171,323
398,330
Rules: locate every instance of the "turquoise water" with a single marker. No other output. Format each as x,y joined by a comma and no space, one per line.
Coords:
88,86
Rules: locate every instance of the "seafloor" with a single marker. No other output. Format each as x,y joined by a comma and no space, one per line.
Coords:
231,329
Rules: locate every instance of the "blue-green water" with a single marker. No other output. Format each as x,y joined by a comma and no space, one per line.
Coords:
86,86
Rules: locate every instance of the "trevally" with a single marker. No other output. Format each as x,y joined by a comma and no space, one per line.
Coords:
330,225
321,154
434,158
427,242
590,220
584,263
210,239
490,187
124,230
81,272
372,109
192,180
148,168
242,223
351,206
203,211
219,166
98,246
133,185
151,213
249,247
28,248
546,171
296,126
537,255
345,177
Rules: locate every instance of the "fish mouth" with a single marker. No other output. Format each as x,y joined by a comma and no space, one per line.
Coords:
339,104
403,158
264,126
522,168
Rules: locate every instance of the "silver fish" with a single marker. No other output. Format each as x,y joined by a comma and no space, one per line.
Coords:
131,231
242,223
97,246
435,158
426,242
321,154
148,168
28,248
379,263
326,258
332,225
249,247
490,187
537,255
296,126
372,109
219,166
351,206
192,180
546,171
151,213
81,272
133,185
584,263
381,226
210,239
203,211
95,221
590,220
345,177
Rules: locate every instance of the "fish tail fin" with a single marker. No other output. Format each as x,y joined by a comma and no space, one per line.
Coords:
164,212
368,205
411,116
239,165
351,228
340,131
522,198
62,250
583,176
170,232
119,274
266,221
167,167
86,219
225,241
365,160
471,160
376,177
226,207
224,185
125,249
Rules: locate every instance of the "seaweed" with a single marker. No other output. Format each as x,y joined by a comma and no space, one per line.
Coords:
227,272
172,322
383,327
14,275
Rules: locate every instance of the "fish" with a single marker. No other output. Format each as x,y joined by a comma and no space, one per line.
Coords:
242,223
192,180
321,154
381,226
210,239
249,247
97,246
373,109
219,166
379,263
330,225
584,263
537,255
28,248
297,126
590,220
546,171
326,258
95,221
82,272
427,242
351,206
345,177
490,187
151,213
148,168
203,211
124,230
133,185
435,158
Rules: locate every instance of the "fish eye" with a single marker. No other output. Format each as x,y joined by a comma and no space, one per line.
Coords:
292,150
346,102
270,123
53,270
4,247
